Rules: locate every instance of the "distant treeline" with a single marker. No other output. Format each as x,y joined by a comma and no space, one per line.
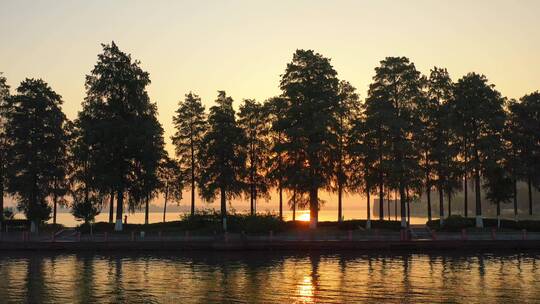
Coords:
412,134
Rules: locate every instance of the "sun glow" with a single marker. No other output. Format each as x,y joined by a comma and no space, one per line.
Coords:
303,217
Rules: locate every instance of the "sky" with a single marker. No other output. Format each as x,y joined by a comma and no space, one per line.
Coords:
243,47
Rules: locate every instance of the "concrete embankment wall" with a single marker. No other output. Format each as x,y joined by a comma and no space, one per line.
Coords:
417,245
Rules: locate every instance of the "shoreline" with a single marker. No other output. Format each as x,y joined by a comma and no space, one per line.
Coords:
272,245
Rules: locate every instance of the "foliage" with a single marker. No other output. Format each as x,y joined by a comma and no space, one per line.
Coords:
222,172
36,132
311,89
253,120
120,127
190,124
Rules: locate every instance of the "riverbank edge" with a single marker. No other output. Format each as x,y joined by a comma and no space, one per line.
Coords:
307,245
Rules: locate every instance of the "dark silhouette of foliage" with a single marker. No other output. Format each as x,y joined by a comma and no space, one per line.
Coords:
37,148
311,88
190,125
222,172
253,120
121,129
4,110
393,100
171,181
478,120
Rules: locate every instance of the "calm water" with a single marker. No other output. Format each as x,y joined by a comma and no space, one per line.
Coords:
269,278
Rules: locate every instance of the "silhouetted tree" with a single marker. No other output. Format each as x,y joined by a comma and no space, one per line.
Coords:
35,128
276,108
223,154
310,85
253,120
525,139
190,125
347,111
478,120
121,128
4,110
362,157
171,179
86,197
437,139
393,100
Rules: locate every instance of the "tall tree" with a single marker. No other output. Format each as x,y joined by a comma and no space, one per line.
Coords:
276,108
254,122
190,125
478,120
310,85
35,128
393,100
437,139
86,197
347,111
4,110
362,157
171,178
526,138
222,149
122,129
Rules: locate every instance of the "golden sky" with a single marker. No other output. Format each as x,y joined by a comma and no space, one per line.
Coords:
243,46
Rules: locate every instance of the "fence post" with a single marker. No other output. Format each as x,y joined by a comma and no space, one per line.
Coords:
524,234
377,234
52,237
493,235
271,235
186,235
79,236
106,236
433,235
226,237
463,234
350,235
133,236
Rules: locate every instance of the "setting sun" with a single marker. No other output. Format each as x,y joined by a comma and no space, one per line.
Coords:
304,217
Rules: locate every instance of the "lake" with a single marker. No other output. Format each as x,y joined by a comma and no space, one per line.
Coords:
266,277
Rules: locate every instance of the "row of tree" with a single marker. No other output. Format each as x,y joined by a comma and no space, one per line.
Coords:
412,135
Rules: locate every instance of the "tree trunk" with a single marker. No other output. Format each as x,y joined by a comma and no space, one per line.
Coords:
165,204
55,204
252,206
280,202
449,203
402,199
479,221
395,205
408,208
192,179
529,185
340,206
466,197
368,222
441,206
428,193
515,200
119,212
388,205
111,207
294,206
146,207
498,214
313,208
381,200
223,209
1,200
